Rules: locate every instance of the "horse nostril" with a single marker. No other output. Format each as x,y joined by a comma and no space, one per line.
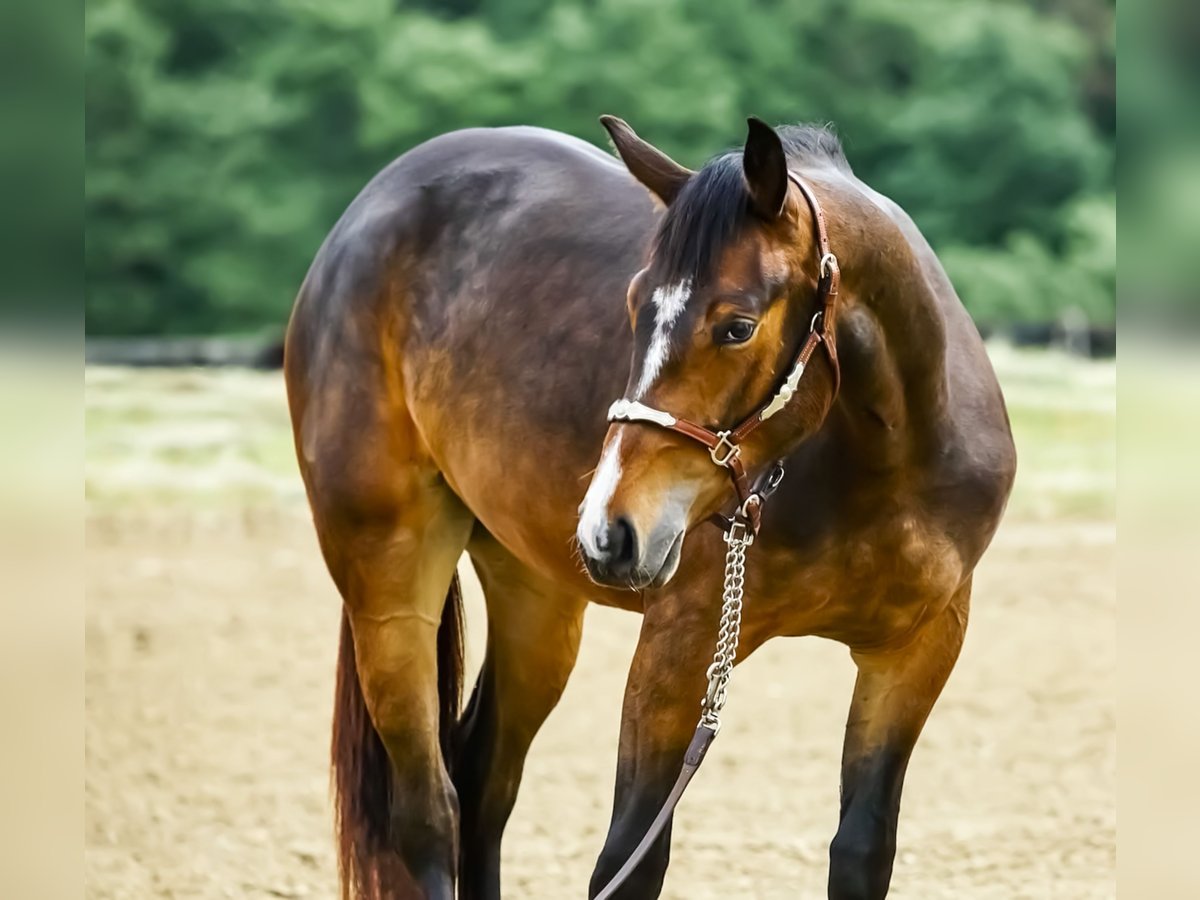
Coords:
622,545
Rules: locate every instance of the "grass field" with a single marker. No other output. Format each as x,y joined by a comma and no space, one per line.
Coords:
212,627
218,437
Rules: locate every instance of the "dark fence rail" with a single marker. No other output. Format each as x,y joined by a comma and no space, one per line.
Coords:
252,353
1097,342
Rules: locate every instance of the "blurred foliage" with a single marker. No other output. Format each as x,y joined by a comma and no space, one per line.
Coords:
41,166
1159,170
224,138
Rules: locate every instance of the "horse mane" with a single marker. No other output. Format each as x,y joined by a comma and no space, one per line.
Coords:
714,206
813,143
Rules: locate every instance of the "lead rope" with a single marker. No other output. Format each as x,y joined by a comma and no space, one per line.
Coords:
738,537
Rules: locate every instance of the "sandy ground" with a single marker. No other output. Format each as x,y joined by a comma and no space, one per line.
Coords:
210,649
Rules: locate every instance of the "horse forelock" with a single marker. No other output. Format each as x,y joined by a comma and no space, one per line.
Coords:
713,209
709,214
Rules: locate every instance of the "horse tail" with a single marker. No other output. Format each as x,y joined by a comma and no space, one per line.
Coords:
450,671
369,865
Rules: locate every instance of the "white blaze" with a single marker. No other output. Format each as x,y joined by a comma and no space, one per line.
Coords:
668,304
593,512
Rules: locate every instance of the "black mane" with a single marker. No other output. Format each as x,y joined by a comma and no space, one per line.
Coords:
714,206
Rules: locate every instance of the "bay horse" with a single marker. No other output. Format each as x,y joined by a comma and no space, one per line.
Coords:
449,362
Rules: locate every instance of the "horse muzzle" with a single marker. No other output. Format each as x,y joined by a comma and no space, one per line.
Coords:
617,555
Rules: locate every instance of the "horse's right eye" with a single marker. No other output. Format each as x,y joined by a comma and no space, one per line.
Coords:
737,331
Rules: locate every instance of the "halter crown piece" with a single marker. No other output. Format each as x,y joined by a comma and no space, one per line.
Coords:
725,446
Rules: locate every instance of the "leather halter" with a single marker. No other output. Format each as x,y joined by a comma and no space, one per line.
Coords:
725,447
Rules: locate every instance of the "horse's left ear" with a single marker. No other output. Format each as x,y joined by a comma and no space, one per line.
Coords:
765,168
660,174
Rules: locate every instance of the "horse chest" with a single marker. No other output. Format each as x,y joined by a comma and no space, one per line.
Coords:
871,587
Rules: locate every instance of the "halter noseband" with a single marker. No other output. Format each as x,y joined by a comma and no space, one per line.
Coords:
725,447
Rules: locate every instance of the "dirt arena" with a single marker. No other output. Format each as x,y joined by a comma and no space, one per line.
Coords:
212,628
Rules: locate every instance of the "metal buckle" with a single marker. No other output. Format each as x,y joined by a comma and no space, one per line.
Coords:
726,448
739,531
774,479
829,264
744,510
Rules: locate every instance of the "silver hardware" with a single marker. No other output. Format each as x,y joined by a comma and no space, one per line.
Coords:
786,391
829,265
725,450
774,480
632,411
738,537
744,509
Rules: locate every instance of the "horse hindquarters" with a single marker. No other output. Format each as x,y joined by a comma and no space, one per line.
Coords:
397,701
391,532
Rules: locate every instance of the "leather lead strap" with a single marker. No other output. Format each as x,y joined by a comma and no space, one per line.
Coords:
691,762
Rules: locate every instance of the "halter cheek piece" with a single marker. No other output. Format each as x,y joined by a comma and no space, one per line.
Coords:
725,447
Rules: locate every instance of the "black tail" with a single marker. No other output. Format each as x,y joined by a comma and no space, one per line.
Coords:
450,668
368,863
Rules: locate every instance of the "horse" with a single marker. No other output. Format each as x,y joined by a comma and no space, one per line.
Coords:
449,362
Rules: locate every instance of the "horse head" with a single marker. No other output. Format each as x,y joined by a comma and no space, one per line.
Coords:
724,316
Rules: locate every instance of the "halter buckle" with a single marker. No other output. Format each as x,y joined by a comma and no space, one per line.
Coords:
774,479
739,532
746,510
724,451
829,265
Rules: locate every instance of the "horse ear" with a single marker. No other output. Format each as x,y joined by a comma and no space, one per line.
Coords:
660,174
765,167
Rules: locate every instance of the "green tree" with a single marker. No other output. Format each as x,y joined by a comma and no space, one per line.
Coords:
224,138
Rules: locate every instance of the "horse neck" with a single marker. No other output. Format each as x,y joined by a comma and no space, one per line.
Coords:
891,331
892,335
882,427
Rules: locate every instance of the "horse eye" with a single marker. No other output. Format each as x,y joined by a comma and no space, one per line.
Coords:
736,332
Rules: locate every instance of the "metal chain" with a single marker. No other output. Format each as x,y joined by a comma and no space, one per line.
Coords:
738,537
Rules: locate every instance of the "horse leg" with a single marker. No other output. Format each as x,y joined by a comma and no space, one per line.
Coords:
533,638
394,562
662,707
893,695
